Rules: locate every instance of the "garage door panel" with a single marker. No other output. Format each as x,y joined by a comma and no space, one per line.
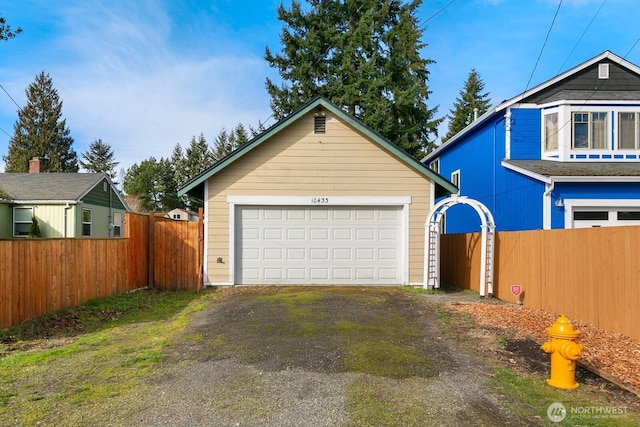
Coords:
296,233
321,254
296,273
342,234
319,234
365,234
318,245
273,254
342,254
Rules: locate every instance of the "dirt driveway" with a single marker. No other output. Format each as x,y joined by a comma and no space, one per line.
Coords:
320,357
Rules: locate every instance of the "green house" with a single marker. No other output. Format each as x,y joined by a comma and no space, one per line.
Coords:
64,205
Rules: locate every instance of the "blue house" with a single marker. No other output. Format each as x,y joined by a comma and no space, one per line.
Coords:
564,154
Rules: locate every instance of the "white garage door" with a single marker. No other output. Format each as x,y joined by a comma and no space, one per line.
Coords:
318,245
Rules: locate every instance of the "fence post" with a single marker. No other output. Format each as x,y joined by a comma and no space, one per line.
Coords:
200,252
150,253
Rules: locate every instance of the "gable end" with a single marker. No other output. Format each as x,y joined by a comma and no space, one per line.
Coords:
589,80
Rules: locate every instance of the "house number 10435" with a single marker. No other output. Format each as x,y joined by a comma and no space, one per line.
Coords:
319,200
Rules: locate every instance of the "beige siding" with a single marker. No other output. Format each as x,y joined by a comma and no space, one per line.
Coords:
297,162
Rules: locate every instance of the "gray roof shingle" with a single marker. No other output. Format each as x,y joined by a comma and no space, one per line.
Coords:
566,169
48,186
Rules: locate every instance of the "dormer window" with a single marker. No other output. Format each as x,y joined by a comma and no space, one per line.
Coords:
589,130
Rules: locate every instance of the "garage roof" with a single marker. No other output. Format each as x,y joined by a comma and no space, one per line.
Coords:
194,185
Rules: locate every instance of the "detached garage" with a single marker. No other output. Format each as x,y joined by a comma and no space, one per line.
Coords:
317,199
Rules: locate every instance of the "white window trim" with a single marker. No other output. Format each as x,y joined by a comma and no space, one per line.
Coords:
454,174
13,223
235,201
435,165
571,204
83,222
565,110
117,224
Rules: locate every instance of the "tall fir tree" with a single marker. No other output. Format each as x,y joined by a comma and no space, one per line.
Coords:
99,158
226,142
464,109
363,55
41,132
197,157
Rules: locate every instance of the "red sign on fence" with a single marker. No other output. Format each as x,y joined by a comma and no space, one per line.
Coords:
516,289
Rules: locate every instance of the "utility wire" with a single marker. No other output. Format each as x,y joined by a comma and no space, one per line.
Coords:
14,101
583,33
438,12
632,47
543,46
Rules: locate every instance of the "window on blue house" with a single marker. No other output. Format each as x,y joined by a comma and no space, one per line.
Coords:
551,132
628,130
589,130
455,179
435,165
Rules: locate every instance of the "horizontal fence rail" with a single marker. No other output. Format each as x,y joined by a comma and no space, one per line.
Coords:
591,274
40,276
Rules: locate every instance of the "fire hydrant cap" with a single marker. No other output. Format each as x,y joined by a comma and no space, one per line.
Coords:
562,329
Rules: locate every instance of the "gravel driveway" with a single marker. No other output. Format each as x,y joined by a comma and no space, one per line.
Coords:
318,357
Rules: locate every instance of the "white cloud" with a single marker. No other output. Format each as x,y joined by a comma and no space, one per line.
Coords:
127,77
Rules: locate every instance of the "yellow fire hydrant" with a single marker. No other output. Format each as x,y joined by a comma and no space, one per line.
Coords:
564,353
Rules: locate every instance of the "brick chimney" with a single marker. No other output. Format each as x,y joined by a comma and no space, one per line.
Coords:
34,165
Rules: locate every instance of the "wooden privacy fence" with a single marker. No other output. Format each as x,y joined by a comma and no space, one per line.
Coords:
591,274
40,276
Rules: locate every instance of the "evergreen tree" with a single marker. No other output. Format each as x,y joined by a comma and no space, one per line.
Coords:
363,55
198,157
41,132
34,231
471,97
100,158
226,142
5,30
153,182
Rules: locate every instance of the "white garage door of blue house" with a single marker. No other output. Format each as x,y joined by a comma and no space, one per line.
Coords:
303,245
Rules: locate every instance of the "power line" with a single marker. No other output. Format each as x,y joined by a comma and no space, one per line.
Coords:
632,47
438,12
543,46
583,33
14,101
5,132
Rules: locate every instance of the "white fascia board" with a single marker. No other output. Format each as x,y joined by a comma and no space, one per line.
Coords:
319,200
459,135
45,202
526,172
595,103
595,178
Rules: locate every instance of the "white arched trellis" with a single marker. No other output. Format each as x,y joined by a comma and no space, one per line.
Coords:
432,242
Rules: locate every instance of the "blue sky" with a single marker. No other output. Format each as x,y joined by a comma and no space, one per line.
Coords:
143,75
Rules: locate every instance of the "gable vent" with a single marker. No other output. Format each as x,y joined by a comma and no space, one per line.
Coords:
603,71
320,124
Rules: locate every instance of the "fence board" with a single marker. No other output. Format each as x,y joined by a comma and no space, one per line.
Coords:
40,276
590,275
